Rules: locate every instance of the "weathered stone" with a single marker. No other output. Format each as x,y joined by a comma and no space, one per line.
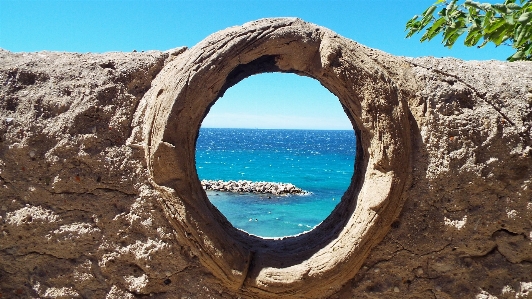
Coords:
252,187
99,196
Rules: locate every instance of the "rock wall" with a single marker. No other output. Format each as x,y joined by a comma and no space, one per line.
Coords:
86,212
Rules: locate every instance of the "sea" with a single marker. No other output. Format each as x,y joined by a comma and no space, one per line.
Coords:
318,161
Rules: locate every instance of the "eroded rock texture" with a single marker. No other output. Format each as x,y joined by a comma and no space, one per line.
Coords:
82,217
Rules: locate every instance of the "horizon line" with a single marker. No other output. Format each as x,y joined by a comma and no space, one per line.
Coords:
302,129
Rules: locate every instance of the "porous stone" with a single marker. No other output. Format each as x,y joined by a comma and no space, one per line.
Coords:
439,207
243,186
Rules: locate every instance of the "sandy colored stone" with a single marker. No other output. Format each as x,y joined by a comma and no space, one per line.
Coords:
318,262
444,175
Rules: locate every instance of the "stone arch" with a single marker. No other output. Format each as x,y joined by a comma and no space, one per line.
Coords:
308,265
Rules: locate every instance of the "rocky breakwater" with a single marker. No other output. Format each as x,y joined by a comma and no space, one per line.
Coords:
252,187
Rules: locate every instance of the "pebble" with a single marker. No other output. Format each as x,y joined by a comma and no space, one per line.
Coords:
32,154
396,289
10,120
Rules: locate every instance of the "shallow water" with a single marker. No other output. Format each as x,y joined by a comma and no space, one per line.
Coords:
321,162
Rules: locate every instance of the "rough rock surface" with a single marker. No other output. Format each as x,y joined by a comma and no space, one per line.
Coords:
81,215
252,187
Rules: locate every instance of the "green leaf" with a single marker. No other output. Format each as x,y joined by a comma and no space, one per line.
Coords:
473,37
510,19
499,35
451,6
425,21
513,6
451,35
500,8
528,36
485,42
414,28
477,22
501,39
457,14
521,37
487,18
518,29
508,23
428,15
486,7
517,56
525,17
429,10
410,33
411,22
472,4
473,15
413,18
450,30
528,49
495,25
452,39
434,30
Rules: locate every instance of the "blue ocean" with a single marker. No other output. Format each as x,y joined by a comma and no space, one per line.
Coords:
318,161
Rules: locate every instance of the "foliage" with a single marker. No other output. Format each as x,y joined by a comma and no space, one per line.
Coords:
508,23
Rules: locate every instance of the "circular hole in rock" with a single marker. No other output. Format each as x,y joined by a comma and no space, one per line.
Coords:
276,128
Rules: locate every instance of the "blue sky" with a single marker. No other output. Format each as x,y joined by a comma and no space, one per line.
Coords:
270,100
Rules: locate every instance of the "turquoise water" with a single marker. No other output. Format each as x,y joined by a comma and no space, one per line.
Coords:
321,162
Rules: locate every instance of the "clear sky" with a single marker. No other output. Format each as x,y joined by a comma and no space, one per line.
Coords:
272,100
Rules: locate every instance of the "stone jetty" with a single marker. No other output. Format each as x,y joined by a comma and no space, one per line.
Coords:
252,187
